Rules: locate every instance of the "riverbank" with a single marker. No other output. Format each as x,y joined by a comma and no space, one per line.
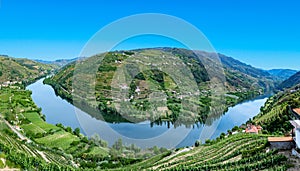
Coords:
236,143
104,108
136,132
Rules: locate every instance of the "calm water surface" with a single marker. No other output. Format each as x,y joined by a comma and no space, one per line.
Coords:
142,134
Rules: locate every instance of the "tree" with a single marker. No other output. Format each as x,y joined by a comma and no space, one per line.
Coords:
39,110
156,150
198,143
222,136
236,128
60,125
118,145
76,131
208,141
113,153
69,129
85,140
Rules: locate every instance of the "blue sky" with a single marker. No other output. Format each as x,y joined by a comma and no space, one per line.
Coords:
264,34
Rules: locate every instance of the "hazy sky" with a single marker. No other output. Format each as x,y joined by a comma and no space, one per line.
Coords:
263,34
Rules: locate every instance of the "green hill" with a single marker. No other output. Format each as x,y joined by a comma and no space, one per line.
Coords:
21,70
274,116
290,82
56,147
241,82
236,152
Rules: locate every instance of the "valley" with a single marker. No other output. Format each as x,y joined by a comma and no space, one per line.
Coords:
55,146
241,82
149,85
135,132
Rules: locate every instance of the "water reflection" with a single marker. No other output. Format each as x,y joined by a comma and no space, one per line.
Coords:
58,110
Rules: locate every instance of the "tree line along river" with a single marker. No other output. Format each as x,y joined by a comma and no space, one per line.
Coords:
58,110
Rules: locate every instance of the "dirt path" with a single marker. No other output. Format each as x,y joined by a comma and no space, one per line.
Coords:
7,168
21,136
43,156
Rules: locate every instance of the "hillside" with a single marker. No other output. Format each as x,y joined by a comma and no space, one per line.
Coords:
236,152
241,82
241,72
282,74
57,147
14,70
242,67
290,82
274,116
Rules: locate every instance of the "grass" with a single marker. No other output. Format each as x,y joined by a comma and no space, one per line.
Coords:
22,100
99,151
59,139
32,128
3,125
36,120
17,69
231,153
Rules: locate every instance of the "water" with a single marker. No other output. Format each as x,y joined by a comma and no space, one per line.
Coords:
142,134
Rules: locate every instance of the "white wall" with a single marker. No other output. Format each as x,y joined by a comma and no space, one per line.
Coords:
298,137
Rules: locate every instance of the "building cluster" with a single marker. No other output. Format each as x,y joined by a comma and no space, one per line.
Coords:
10,84
292,141
253,129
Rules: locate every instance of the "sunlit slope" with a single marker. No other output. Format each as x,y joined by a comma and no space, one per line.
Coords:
21,70
236,152
240,82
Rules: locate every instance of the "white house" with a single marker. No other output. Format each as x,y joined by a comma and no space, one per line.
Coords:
296,124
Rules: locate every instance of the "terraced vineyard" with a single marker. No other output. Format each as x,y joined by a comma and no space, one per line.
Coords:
137,76
48,145
20,70
274,116
18,154
236,152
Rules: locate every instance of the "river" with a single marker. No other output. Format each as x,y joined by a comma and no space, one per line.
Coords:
58,110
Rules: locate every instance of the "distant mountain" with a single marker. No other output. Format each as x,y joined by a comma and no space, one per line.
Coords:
282,74
245,75
234,64
21,70
60,62
292,81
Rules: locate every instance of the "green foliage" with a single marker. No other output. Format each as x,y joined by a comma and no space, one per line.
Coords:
59,144
244,82
118,145
198,143
292,81
237,152
76,131
275,114
84,140
22,70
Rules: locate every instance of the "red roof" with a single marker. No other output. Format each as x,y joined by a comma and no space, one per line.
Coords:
259,127
251,129
297,110
280,139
